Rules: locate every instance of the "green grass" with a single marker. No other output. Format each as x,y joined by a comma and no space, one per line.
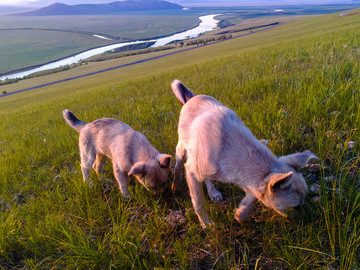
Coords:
299,91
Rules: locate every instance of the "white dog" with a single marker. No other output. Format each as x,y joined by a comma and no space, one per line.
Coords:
130,152
216,145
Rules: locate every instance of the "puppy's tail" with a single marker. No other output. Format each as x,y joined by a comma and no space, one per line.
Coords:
181,92
73,122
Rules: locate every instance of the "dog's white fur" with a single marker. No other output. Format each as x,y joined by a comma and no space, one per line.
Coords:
216,145
130,152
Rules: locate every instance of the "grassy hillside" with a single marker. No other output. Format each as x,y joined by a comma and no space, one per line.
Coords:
296,86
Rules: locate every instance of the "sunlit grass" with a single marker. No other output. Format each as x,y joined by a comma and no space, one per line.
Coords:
298,96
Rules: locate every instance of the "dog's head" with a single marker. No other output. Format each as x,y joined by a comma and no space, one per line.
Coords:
287,190
153,174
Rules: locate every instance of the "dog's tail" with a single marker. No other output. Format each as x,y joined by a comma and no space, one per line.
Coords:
181,92
73,122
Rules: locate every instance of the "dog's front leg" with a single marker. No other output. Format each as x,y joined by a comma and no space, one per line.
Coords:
177,173
123,181
245,206
197,198
180,156
214,194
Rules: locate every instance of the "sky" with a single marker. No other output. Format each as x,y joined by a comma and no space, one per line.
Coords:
181,2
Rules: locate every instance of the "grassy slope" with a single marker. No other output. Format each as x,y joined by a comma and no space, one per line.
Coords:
296,85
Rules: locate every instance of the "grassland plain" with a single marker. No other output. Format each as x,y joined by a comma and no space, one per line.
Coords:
28,41
288,32
301,90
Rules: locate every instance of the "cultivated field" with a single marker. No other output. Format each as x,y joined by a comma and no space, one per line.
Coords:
296,85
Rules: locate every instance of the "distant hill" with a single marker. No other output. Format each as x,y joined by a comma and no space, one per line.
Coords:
109,8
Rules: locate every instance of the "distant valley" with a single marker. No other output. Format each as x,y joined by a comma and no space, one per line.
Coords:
39,38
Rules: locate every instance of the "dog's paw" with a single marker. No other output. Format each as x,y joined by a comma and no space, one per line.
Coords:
241,214
126,197
215,195
206,224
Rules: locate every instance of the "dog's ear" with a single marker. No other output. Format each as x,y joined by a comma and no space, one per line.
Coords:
279,181
299,160
181,92
138,169
164,160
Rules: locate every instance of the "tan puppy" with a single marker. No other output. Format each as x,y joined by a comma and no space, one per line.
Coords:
217,146
130,152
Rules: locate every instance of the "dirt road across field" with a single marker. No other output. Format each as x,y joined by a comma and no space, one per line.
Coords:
135,62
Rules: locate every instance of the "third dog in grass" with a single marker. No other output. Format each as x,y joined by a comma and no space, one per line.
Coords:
130,152
216,145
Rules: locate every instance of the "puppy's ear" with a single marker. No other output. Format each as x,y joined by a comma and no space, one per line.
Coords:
164,160
138,169
181,92
299,160
279,181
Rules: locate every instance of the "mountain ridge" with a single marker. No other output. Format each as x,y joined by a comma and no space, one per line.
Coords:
101,9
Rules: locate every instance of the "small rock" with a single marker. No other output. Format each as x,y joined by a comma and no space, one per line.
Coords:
350,144
311,177
315,188
175,218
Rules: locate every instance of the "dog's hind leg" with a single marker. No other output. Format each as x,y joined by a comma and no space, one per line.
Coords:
214,194
99,163
87,160
122,180
197,198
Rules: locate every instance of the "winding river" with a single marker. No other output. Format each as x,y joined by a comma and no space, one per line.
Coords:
208,23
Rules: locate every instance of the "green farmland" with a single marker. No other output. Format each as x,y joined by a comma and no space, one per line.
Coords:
296,85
